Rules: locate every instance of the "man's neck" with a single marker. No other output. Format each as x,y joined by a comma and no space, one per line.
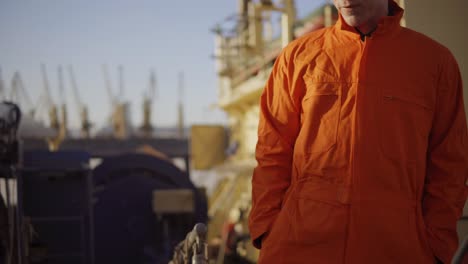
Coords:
367,29
371,24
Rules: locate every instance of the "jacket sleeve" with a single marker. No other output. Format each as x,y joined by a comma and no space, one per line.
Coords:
278,128
447,164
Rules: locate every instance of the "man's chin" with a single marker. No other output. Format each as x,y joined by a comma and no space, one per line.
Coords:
352,21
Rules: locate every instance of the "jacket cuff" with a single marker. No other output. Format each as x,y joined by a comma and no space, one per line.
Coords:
257,242
257,236
259,228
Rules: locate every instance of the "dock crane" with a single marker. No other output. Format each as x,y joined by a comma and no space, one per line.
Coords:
110,94
85,125
55,123
148,97
63,107
119,109
52,108
180,107
2,87
18,94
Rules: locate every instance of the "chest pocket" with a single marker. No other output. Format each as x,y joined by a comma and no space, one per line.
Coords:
405,122
320,117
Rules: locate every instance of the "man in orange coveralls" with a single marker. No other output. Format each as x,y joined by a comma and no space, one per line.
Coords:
363,148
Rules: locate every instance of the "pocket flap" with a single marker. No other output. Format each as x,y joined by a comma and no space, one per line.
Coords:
318,189
321,88
406,98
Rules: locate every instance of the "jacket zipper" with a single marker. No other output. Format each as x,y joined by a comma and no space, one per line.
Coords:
361,77
354,178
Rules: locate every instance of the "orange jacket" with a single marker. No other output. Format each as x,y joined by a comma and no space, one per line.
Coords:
362,150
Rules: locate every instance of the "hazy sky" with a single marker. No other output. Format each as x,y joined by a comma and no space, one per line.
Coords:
167,36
